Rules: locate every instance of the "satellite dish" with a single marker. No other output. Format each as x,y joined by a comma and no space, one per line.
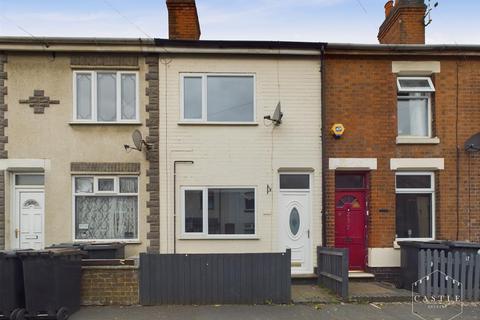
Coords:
473,144
137,140
277,115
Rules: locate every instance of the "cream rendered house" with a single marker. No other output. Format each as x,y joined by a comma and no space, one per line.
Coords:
214,176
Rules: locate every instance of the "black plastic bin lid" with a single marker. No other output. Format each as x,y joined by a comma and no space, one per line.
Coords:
424,244
464,244
51,252
103,246
7,254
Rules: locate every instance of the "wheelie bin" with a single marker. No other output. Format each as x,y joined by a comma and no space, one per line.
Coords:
52,283
12,296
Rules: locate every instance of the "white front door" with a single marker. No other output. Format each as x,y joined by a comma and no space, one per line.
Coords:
295,217
30,210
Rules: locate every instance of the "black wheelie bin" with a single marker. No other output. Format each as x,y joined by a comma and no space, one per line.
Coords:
52,283
12,296
409,259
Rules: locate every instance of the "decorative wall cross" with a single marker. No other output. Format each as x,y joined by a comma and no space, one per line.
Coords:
39,102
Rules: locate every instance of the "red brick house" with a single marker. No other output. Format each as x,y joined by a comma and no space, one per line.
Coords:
400,170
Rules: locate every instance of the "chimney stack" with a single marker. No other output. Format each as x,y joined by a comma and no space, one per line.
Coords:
183,21
404,22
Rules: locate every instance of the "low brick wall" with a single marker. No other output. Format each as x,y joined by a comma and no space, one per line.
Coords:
110,285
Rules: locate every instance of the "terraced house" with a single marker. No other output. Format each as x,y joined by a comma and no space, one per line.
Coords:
231,157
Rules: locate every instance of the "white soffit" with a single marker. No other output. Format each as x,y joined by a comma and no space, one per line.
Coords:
352,163
415,67
417,164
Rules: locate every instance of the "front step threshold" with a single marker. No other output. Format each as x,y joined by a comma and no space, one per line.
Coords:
360,275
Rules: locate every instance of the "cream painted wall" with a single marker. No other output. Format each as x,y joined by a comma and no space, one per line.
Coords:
236,155
50,136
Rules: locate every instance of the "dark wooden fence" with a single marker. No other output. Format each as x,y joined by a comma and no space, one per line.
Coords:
184,279
333,270
448,274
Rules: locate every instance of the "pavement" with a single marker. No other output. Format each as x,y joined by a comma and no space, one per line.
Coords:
387,311
358,292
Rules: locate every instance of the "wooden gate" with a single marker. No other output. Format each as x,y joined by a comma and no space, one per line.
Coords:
448,274
184,279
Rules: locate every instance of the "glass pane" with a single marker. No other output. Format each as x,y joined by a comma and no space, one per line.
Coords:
350,200
111,217
106,96
229,213
192,96
414,216
193,211
128,185
414,83
230,98
294,221
349,181
294,181
413,117
414,181
106,184
84,185
84,96
29,180
129,99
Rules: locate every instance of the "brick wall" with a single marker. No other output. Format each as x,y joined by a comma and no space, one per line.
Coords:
183,21
103,286
360,92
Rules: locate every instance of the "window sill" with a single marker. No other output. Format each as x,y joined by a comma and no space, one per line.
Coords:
193,123
415,140
133,123
127,242
220,237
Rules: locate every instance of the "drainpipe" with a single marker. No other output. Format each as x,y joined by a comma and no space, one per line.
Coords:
324,160
175,200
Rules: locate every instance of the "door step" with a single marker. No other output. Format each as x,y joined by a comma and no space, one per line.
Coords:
360,275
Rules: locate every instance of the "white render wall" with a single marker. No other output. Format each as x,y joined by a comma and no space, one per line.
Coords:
241,155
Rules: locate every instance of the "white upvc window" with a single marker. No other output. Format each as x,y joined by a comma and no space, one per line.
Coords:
218,212
415,107
105,96
415,205
217,98
105,208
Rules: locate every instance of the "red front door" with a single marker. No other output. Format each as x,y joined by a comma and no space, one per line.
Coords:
350,226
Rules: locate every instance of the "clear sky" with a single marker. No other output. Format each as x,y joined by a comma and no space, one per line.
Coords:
357,21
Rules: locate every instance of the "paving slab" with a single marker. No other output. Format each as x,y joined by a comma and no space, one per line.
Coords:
311,293
342,311
370,291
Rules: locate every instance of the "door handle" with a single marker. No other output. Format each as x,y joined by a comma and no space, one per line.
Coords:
17,232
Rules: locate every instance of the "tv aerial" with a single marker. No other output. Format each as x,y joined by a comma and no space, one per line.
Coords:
473,143
428,14
277,115
138,142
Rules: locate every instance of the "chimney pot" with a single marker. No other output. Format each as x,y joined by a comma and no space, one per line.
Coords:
388,8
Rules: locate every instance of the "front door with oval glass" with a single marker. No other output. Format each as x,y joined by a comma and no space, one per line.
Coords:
294,209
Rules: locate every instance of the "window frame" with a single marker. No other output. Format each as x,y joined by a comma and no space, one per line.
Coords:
204,76
425,94
430,190
95,193
204,234
93,86
415,89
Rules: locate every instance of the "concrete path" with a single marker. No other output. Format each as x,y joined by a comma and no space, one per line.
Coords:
397,311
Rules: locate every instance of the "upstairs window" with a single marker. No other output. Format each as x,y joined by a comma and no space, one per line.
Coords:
105,96
414,106
217,98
